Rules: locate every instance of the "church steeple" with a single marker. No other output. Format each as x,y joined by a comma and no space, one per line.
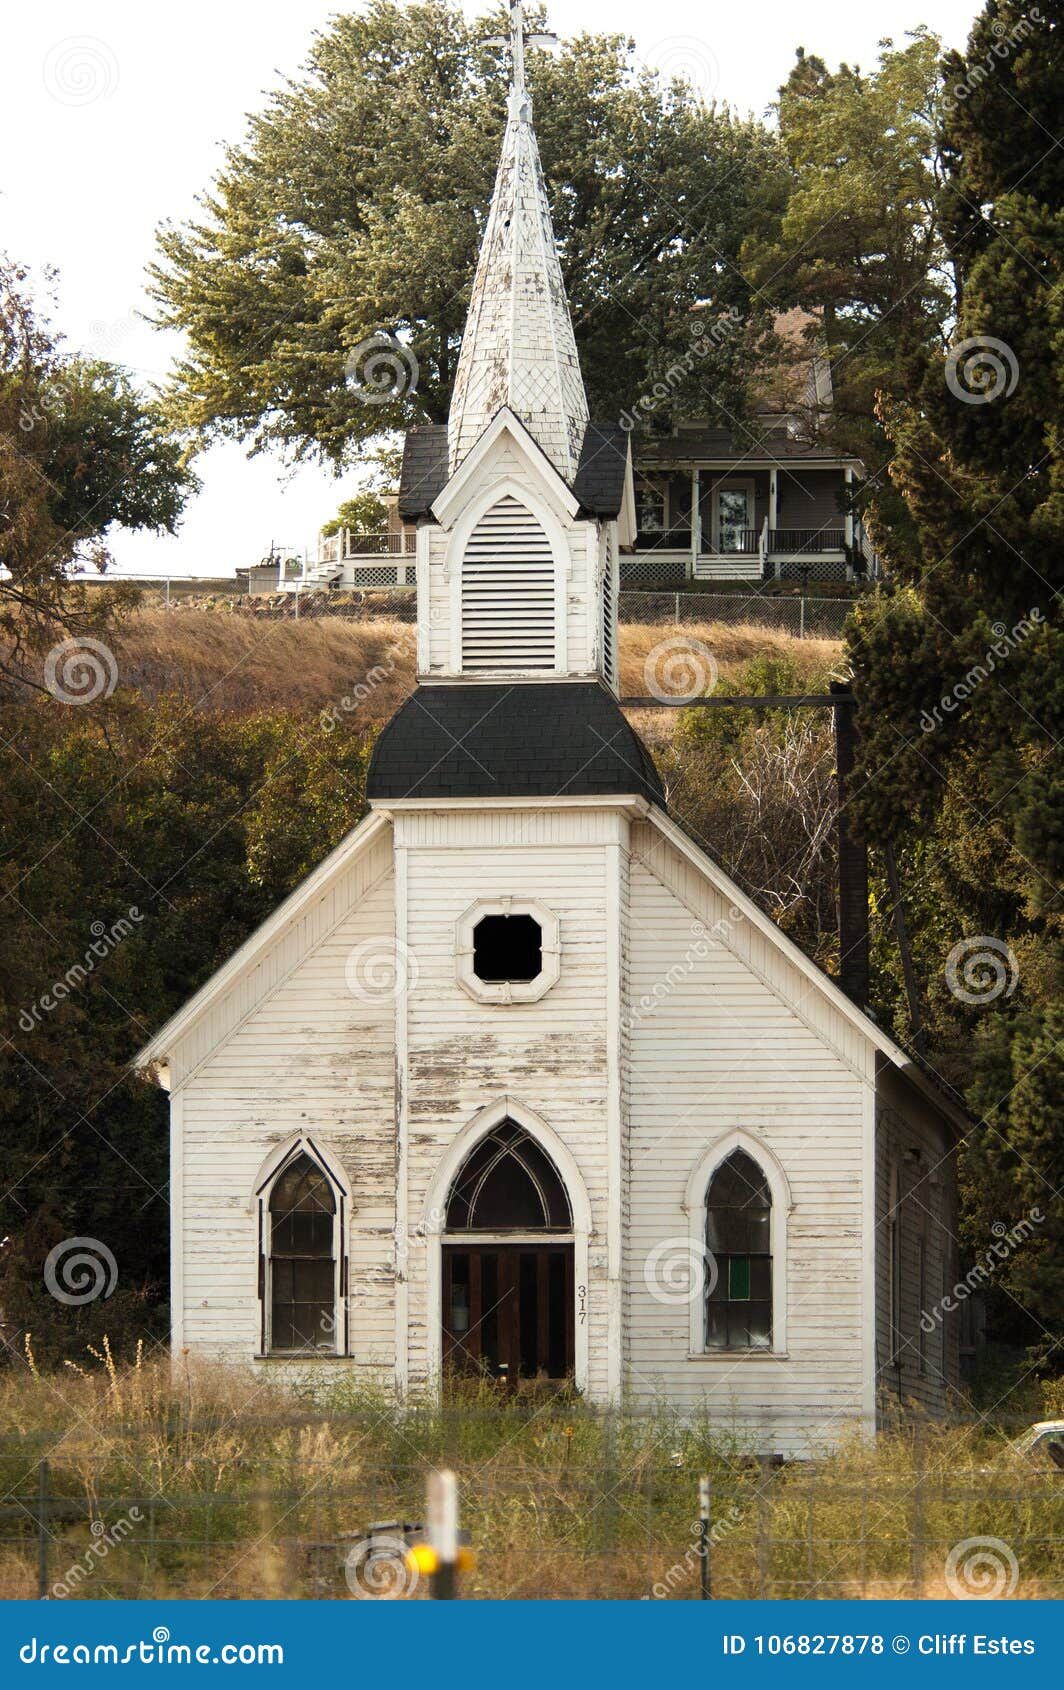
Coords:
518,350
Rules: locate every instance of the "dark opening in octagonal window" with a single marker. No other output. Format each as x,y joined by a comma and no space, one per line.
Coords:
507,948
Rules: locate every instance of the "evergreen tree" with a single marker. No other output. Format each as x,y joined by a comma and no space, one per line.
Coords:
959,670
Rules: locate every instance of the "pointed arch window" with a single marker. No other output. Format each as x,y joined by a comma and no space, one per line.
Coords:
508,1183
739,1241
301,1260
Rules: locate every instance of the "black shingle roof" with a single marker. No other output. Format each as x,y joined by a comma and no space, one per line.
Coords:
600,473
518,740
599,481
424,472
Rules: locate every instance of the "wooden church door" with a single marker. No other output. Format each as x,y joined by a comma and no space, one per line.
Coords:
508,1311
508,1272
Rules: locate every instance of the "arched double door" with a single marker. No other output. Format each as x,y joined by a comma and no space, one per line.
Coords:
508,1292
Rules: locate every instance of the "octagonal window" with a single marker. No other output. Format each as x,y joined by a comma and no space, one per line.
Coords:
507,950
507,947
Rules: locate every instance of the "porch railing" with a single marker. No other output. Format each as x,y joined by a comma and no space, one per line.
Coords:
338,547
806,540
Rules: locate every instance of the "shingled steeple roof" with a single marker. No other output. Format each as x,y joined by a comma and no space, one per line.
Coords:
518,349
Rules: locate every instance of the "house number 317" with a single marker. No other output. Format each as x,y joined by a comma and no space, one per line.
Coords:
581,1307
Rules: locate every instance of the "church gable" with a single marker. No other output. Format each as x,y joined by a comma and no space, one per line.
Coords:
272,955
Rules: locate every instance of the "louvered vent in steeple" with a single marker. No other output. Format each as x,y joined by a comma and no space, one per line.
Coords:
508,587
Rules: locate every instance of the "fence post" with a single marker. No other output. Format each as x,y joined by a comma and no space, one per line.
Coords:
42,1531
676,617
443,1534
297,604
801,617
916,1550
704,1510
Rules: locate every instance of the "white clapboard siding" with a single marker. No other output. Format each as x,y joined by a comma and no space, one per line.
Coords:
550,1055
715,1048
508,593
310,1054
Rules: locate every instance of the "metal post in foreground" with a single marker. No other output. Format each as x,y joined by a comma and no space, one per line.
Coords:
704,1513
42,1530
443,1534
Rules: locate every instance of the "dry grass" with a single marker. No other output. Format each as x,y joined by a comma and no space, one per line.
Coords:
244,1490
227,662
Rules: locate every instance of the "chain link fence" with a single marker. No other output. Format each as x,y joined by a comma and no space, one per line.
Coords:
803,616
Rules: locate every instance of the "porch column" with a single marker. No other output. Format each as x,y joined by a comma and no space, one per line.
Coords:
696,523
847,521
773,512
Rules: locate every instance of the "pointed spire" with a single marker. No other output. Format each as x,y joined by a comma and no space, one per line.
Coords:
518,349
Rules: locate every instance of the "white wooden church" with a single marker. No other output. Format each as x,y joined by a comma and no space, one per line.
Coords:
518,1082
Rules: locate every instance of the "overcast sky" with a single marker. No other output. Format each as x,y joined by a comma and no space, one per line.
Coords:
113,114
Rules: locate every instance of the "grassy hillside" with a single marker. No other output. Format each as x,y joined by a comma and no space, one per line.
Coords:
236,663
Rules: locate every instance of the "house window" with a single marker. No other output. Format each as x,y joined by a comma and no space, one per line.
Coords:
301,1260
738,1236
650,506
507,950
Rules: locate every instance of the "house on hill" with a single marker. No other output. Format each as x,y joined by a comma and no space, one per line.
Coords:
770,498
518,1082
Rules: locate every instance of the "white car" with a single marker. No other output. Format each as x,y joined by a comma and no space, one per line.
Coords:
1042,1440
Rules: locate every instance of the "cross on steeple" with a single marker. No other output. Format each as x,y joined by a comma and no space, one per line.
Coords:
518,39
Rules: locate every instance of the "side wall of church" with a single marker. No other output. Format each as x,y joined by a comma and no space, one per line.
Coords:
918,1345
308,1044
726,1034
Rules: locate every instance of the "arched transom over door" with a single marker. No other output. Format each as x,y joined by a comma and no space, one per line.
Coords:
508,1303
508,593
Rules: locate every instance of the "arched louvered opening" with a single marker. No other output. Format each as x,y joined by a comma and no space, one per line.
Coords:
301,1259
508,592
